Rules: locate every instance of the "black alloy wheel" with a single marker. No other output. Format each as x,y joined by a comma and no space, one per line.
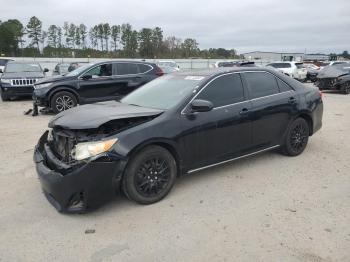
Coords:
63,101
150,175
297,137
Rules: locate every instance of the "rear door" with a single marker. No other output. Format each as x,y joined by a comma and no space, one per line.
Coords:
273,104
129,76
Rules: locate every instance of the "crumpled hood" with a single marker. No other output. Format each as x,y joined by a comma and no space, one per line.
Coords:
94,115
332,72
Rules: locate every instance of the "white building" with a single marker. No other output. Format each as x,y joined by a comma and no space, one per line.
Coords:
273,56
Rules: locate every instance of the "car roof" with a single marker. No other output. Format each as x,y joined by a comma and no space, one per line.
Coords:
122,61
221,70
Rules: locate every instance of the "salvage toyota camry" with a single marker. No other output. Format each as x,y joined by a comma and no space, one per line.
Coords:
176,124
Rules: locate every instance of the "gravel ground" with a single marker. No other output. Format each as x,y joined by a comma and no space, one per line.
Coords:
264,208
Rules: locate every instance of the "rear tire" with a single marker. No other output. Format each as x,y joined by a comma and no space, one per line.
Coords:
62,101
150,175
296,138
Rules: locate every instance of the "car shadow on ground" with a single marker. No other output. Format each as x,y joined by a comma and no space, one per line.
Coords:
186,181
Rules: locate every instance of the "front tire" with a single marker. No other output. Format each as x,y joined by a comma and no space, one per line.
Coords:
150,175
62,101
296,138
346,88
4,97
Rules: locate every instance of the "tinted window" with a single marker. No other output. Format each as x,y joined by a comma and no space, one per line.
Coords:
101,70
3,62
299,65
144,68
133,69
261,84
127,68
283,86
280,65
224,90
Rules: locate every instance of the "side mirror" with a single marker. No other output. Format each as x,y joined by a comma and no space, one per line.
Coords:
199,105
86,77
46,70
1,71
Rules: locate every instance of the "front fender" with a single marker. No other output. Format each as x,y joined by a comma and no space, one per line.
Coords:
67,88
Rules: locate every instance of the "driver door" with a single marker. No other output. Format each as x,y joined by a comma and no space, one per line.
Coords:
97,84
223,132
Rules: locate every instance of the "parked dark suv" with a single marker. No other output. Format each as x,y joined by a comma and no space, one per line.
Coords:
90,83
18,79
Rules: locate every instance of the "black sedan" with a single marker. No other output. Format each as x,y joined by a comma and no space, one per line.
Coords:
92,83
177,124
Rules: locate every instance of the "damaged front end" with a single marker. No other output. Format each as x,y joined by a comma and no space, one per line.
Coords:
334,78
79,168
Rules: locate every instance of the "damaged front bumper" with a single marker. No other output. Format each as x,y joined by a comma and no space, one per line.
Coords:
327,83
76,188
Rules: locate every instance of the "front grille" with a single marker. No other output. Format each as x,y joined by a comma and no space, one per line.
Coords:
23,82
326,83
62,147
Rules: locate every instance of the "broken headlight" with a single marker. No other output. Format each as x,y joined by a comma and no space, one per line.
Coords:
89,149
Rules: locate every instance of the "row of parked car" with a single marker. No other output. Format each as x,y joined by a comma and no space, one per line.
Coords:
78,83
81,83
334,75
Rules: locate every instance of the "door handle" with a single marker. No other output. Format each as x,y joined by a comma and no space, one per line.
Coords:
292,100
244,111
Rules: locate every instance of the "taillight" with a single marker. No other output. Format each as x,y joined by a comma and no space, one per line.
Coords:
159,71
321,94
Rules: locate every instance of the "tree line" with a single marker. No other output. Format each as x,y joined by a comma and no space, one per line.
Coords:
101,40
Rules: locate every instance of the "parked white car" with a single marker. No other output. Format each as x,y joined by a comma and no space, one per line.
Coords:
168,64
292,69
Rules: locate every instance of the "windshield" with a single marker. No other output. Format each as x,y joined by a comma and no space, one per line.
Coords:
79,70
164,92
22,67
344,67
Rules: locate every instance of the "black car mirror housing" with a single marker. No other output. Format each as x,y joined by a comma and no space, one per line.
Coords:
199,105
46,70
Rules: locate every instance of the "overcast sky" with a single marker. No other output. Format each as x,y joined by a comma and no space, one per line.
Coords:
247,25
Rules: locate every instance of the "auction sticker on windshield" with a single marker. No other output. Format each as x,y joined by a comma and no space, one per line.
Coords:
195,78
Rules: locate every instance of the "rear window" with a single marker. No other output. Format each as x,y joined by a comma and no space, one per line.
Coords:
261,84
299,65
144,68
127,68
280,65
225,64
